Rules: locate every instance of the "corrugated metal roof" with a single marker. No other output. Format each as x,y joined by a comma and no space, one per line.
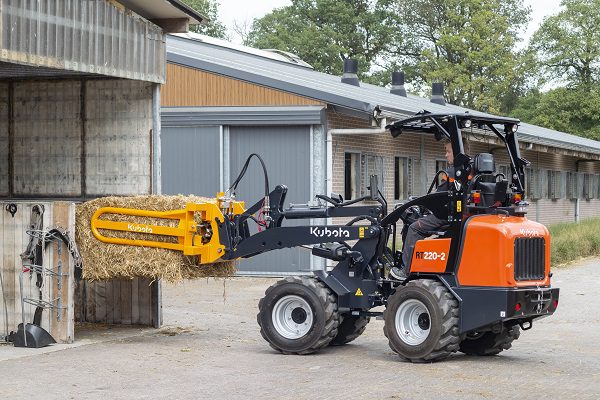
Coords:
270,54
90,37
239,64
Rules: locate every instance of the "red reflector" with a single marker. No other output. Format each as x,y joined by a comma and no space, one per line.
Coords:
518,307
476,198
555,303
517,198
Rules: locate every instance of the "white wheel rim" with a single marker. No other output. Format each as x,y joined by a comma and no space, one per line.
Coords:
413,322
292,317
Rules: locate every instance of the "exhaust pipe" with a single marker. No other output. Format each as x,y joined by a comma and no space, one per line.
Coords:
350,71
437,93
398,84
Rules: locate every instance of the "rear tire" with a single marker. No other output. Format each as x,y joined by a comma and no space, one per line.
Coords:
351,327
421,321
298,315
490,343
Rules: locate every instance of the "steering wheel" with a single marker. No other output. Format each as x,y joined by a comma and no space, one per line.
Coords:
413,213
435,180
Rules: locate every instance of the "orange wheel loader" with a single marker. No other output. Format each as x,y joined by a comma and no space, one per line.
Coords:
471,288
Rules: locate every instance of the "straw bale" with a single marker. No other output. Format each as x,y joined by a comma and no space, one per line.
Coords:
103,261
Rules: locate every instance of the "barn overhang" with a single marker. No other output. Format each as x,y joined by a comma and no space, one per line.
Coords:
98,38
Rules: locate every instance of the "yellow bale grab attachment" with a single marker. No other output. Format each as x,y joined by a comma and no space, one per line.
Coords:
195,236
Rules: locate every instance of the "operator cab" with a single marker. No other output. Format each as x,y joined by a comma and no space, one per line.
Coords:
472,186
476,187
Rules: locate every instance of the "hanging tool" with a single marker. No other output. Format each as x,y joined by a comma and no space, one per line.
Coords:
32,334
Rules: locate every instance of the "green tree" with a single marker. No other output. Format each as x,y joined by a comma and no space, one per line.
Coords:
325,32
210,9
469,45
568,44
568,109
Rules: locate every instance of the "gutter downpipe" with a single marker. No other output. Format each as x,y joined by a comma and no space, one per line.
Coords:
577,194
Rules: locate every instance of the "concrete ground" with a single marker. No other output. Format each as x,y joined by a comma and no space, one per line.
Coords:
210,347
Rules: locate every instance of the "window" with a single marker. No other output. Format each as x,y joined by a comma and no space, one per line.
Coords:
589,189
358,169
400,178
572,185
555,185
351,176
533,186
441,165
418,181
371,165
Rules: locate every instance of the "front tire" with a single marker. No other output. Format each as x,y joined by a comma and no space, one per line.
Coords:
490,343
298,315
421,321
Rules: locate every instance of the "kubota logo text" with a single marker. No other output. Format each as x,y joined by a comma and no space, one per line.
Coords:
530,232
139,228
336,233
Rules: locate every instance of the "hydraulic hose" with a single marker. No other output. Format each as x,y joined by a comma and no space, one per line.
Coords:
245,168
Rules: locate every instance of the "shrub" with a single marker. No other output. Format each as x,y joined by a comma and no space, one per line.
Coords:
574,240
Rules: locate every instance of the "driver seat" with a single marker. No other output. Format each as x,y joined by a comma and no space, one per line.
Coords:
484,180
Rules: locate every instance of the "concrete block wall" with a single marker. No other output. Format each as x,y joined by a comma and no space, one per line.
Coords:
118,137
81,138
47,138
76,138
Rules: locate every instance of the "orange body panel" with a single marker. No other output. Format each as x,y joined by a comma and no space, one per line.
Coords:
488,251
430,256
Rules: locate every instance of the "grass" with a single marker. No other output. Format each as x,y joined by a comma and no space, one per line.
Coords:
571,241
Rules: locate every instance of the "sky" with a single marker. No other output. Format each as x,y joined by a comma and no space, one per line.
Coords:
240,11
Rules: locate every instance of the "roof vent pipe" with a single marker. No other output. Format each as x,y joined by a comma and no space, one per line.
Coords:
437,93
350,70
398,83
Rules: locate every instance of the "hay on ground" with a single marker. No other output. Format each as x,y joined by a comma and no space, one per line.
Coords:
103,261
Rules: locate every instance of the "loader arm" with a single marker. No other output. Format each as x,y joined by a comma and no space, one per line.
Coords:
220,231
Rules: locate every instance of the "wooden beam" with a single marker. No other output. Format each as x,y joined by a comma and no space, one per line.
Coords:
173,25
62,326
